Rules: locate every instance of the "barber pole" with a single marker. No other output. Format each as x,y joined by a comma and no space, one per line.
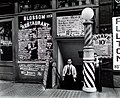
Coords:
88,59
88,34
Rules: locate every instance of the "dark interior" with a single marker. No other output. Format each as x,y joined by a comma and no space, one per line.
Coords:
73,49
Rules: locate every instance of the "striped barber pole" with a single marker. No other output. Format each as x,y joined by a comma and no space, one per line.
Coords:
88,38
89,74
88,59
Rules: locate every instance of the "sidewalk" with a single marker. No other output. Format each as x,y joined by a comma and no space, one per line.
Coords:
25,90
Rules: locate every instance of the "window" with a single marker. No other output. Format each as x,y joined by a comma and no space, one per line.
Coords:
30,5
6,41
71,3
6,7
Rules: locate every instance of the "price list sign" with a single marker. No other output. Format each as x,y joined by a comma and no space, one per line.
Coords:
34,71
70,26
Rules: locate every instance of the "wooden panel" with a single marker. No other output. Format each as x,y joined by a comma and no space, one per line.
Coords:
116,79
6,69
6,76
6,73
107,78
106,11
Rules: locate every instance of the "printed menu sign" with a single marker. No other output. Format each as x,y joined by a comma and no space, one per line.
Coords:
34,37
36,71
70,26
35,45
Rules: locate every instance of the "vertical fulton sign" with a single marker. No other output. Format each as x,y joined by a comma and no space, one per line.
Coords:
116,43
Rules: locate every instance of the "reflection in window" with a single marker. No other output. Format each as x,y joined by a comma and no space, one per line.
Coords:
29,5
70,3
6,41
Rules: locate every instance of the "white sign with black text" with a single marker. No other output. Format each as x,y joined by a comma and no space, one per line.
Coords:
116,42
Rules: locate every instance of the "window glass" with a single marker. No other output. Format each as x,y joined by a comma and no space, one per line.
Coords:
6,41
6,7
29,5
70,3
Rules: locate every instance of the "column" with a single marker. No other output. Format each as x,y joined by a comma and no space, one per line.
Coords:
88,59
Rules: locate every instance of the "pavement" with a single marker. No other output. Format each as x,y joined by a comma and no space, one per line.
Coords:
27,90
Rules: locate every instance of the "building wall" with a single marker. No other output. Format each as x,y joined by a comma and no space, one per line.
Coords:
103,22
105,27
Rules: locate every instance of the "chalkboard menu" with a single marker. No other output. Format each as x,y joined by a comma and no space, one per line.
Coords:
70,26
35,46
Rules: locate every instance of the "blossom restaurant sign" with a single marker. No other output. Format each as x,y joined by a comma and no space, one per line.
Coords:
116,42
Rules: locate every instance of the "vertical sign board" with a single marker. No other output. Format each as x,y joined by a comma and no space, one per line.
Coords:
34,46
116,42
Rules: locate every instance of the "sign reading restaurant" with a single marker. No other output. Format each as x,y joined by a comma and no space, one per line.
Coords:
116,43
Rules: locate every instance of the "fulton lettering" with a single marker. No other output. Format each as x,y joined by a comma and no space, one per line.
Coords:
118,39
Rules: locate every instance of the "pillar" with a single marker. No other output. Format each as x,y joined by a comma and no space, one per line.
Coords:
88,59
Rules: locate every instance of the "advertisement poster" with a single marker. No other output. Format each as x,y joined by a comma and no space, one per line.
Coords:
34,37
34,46
103,45
70,26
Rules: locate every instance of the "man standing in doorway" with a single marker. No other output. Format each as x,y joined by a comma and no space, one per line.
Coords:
69,75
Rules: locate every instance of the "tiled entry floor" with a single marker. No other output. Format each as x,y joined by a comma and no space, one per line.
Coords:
25,90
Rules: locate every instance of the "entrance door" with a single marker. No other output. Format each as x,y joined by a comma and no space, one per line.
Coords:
6,50
73,49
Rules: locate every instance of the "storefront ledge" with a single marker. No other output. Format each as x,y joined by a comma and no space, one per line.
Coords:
89,90
88,59
32,62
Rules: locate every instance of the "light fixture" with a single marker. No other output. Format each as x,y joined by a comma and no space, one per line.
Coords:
87,13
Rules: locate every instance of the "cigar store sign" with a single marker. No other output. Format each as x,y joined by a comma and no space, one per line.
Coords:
116,42
103,45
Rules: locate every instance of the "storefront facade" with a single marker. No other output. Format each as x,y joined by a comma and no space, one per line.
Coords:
33,33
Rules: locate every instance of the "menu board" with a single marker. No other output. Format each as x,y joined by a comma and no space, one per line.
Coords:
35,45
36,71
103,45
34,37
70,26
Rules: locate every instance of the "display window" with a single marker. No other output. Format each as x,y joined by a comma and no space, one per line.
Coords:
31,5
6,53
72,3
